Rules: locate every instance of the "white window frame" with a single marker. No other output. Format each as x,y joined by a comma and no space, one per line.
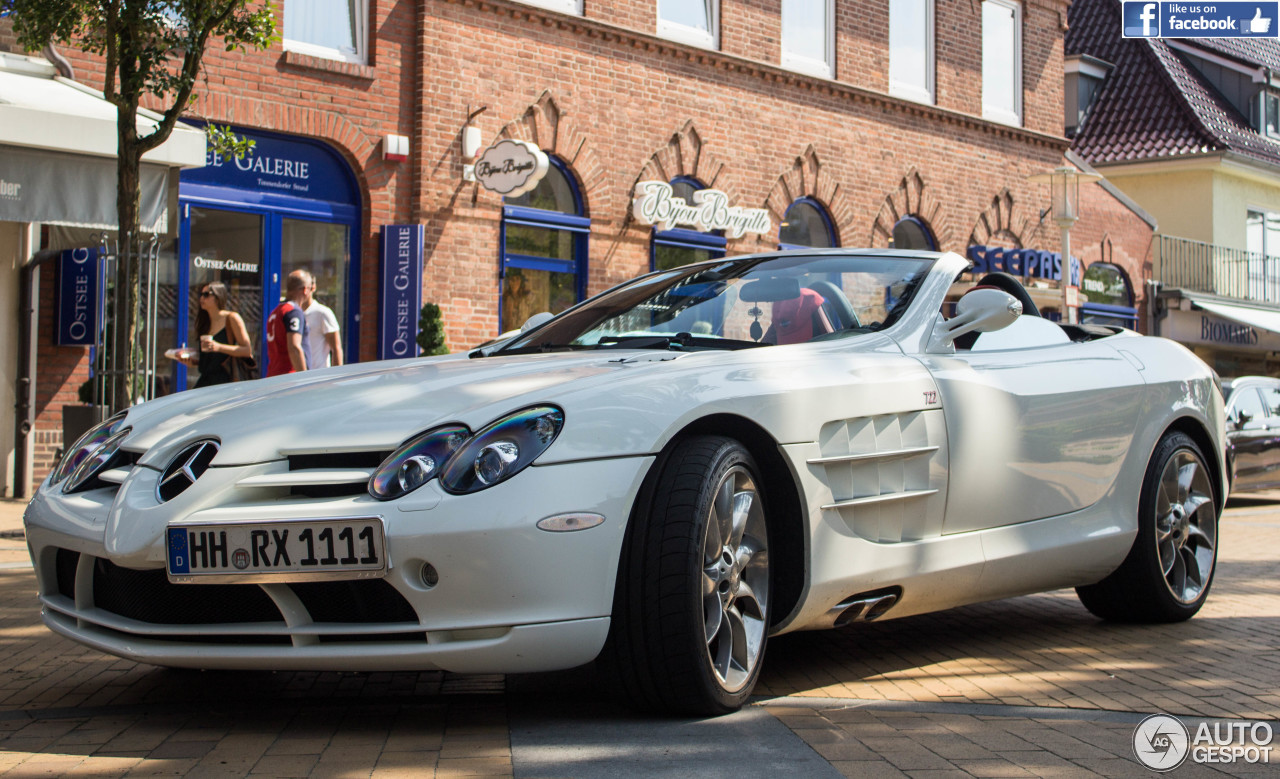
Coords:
692,36
822,68
572,7
912,91
359,56
999,114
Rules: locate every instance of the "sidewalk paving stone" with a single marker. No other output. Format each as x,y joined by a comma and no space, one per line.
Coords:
929,696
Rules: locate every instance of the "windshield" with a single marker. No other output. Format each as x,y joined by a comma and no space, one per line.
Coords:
736,304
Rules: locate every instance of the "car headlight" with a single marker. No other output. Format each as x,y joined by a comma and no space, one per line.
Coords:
502,449
95,462
86,445
416,462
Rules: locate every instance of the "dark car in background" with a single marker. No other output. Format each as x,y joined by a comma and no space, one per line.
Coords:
1253,432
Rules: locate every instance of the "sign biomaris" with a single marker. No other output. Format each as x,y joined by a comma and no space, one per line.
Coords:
656,204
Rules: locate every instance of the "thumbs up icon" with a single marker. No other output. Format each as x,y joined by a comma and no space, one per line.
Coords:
1259,25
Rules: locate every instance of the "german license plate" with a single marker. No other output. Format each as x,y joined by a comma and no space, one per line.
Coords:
291,550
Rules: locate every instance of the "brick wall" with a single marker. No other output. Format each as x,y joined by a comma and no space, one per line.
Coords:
611,102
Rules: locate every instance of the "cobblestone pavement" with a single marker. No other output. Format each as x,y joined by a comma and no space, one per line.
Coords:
1030,686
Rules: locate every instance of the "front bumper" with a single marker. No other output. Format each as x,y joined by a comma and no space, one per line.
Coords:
509,597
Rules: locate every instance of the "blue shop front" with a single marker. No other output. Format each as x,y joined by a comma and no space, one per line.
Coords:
289,203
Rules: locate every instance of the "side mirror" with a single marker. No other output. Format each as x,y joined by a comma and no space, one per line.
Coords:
979,311
1240,418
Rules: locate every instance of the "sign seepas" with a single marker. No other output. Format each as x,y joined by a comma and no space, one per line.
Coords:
511,167
656,204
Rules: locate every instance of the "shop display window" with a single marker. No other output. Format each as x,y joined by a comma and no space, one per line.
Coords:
675,247
544,248
808,36
333,29
695,22
807,225
1002,61
911,57
911,232
1110,297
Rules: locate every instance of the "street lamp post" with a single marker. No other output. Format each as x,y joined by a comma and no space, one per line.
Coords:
1064,192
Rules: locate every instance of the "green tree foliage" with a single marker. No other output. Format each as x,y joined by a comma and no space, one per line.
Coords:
151,49
431,330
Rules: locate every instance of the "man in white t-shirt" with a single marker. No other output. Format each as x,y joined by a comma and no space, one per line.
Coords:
323,346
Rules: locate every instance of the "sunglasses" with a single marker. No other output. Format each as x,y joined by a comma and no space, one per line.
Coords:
204,293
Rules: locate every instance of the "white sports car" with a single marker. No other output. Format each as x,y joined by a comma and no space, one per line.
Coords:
663,476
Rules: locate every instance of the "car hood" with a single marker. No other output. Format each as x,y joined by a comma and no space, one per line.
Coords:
369,406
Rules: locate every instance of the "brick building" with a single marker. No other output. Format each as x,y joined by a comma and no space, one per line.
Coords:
852,123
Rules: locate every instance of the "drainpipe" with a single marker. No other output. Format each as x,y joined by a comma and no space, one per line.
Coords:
25,391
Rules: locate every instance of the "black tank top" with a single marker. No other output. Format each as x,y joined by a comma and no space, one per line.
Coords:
213,365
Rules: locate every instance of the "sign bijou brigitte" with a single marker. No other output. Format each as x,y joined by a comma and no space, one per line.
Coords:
511,167
654,204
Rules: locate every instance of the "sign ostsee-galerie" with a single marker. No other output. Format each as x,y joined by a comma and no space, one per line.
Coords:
656,204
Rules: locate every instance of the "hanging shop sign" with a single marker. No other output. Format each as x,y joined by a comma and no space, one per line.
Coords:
511,167
400,300
656,204
1022,262
78,297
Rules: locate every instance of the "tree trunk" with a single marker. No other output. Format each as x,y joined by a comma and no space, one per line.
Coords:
123,355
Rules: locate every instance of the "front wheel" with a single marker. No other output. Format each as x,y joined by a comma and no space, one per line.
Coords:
691,610
1167,575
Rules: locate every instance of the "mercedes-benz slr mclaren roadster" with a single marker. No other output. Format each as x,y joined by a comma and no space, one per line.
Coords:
662,477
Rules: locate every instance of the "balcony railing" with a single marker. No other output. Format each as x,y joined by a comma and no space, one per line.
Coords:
1218,270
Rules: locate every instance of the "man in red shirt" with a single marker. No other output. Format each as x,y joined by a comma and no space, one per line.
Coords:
287,330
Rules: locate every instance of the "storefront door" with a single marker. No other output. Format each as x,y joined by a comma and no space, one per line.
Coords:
290,203
227,247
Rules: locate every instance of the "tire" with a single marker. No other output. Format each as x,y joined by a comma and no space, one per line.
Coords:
691,607
1169,570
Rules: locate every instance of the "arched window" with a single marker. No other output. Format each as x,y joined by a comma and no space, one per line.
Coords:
912,233
544,248
1110,297
675,247
807,225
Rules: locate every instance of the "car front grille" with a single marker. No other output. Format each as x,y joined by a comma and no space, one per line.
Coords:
145,603
148,596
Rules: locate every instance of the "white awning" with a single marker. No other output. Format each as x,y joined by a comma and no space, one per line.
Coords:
58,150
1265,319
41,110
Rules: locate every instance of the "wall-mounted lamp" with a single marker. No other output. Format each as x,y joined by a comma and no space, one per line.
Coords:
470,150
395,148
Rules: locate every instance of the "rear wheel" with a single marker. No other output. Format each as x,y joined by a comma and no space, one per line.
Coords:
691,611
1167,575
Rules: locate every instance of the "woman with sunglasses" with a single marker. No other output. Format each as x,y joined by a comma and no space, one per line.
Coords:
222,336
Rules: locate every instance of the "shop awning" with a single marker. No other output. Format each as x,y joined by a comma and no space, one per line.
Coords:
1263,319
58,147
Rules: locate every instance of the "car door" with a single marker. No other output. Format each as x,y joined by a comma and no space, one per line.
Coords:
1269,454
1033,432
1249,428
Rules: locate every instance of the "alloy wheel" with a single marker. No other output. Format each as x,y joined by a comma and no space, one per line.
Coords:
735,580
1186,527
